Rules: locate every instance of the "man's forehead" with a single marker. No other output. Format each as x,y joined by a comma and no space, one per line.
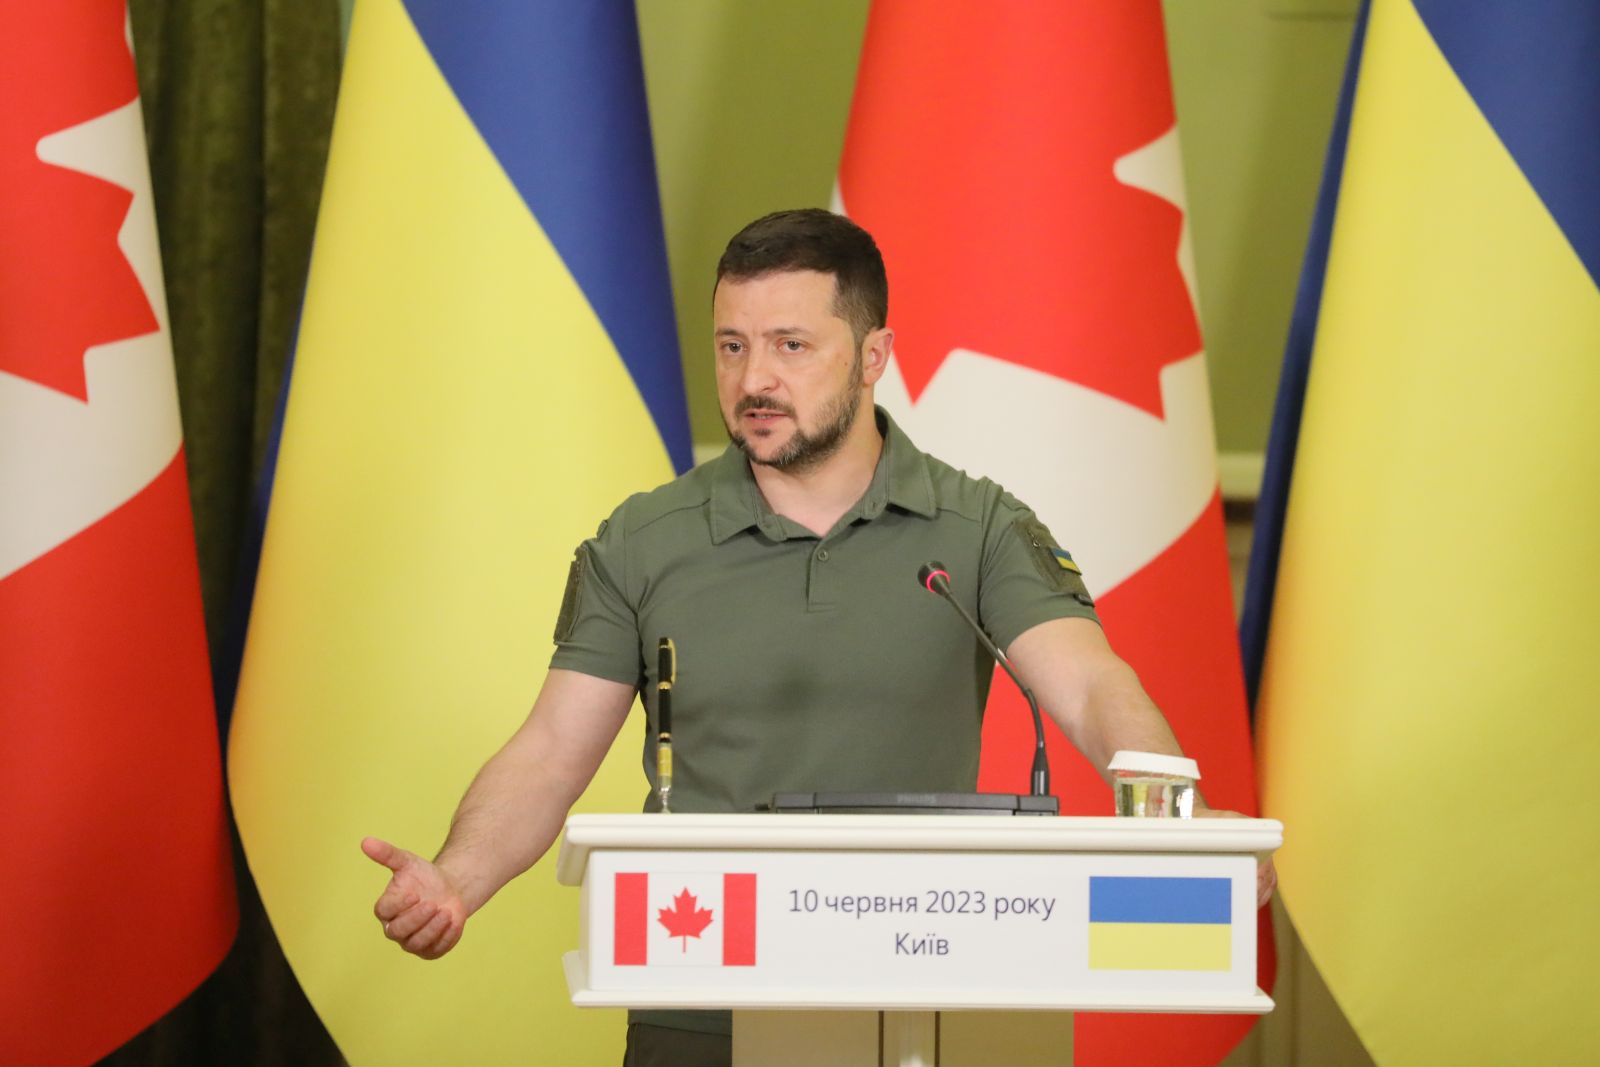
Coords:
795,287
784,279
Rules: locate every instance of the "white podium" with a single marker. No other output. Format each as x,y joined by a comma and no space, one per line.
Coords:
909,916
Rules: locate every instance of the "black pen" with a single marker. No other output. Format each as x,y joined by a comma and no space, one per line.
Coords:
666,673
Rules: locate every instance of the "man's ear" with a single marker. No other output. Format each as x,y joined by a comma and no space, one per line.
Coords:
876,349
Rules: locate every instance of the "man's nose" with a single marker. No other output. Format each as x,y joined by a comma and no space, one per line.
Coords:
760,373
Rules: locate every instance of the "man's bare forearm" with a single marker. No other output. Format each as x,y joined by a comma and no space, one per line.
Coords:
515,807
508,819
1090,692
1121,715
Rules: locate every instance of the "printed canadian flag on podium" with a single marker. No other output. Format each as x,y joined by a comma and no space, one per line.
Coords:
693,919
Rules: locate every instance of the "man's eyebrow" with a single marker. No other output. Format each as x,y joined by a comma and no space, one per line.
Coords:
776,331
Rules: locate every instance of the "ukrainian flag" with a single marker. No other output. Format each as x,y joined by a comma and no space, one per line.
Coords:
1427,705
487,364
1160,924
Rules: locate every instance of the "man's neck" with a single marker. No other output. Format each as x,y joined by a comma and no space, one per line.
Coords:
818,497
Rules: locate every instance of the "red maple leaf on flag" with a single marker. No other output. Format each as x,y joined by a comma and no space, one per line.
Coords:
685,919
64,283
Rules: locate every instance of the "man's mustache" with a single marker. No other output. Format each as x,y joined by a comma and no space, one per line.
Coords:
756,403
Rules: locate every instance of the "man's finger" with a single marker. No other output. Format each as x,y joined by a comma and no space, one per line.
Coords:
424,938
380,851
1202,812
411,920
394,901
1266,882
446,942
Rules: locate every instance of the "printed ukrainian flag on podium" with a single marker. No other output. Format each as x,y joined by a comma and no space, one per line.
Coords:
1160,924
487,364
1427,707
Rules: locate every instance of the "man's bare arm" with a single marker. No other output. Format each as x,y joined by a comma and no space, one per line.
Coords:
1089,691
509,817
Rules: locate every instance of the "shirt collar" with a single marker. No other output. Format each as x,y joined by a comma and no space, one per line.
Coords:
901,479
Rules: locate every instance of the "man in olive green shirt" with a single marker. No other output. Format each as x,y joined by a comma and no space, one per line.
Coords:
809,661
784,571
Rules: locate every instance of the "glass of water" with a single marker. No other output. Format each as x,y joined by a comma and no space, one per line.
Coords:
1149,785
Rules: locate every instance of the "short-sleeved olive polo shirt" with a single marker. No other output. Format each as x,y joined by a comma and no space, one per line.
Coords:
811,663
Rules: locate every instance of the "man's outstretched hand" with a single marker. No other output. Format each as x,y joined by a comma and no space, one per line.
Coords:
1266,870
420,909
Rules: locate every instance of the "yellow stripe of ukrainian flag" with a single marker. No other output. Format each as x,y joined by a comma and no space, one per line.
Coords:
1160,947
458,422
1431,668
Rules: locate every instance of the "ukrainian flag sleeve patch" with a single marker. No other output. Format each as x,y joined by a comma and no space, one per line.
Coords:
1160,924
1053,562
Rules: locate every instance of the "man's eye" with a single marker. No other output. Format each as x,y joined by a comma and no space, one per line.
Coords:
732,348
792,346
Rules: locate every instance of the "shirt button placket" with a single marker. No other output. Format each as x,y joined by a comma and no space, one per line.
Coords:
821,580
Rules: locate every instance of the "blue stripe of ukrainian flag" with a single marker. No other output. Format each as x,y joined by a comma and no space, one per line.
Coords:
1160,924
577,147
1555,147
486,366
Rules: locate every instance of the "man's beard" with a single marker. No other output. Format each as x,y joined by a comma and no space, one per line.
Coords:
805,452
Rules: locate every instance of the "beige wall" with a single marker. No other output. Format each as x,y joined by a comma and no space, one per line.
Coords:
1255,83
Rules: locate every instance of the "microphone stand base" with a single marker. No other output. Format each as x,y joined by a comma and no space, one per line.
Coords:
911,804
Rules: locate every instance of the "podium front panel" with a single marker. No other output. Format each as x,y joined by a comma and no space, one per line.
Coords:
1071,929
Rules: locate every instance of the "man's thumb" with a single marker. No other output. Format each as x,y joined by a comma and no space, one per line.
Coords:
381,851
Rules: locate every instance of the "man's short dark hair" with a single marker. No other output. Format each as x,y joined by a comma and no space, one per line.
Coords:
813,239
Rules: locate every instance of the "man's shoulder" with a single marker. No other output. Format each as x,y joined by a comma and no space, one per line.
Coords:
689,492
948,488
972,497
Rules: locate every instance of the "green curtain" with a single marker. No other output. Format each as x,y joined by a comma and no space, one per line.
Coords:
238,102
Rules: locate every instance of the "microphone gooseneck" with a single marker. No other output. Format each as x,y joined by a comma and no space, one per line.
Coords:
933,577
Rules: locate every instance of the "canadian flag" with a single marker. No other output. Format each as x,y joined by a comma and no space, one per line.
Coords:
677,919
110,772
1018,165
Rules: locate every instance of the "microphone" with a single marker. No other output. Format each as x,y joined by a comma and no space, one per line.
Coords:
935,579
